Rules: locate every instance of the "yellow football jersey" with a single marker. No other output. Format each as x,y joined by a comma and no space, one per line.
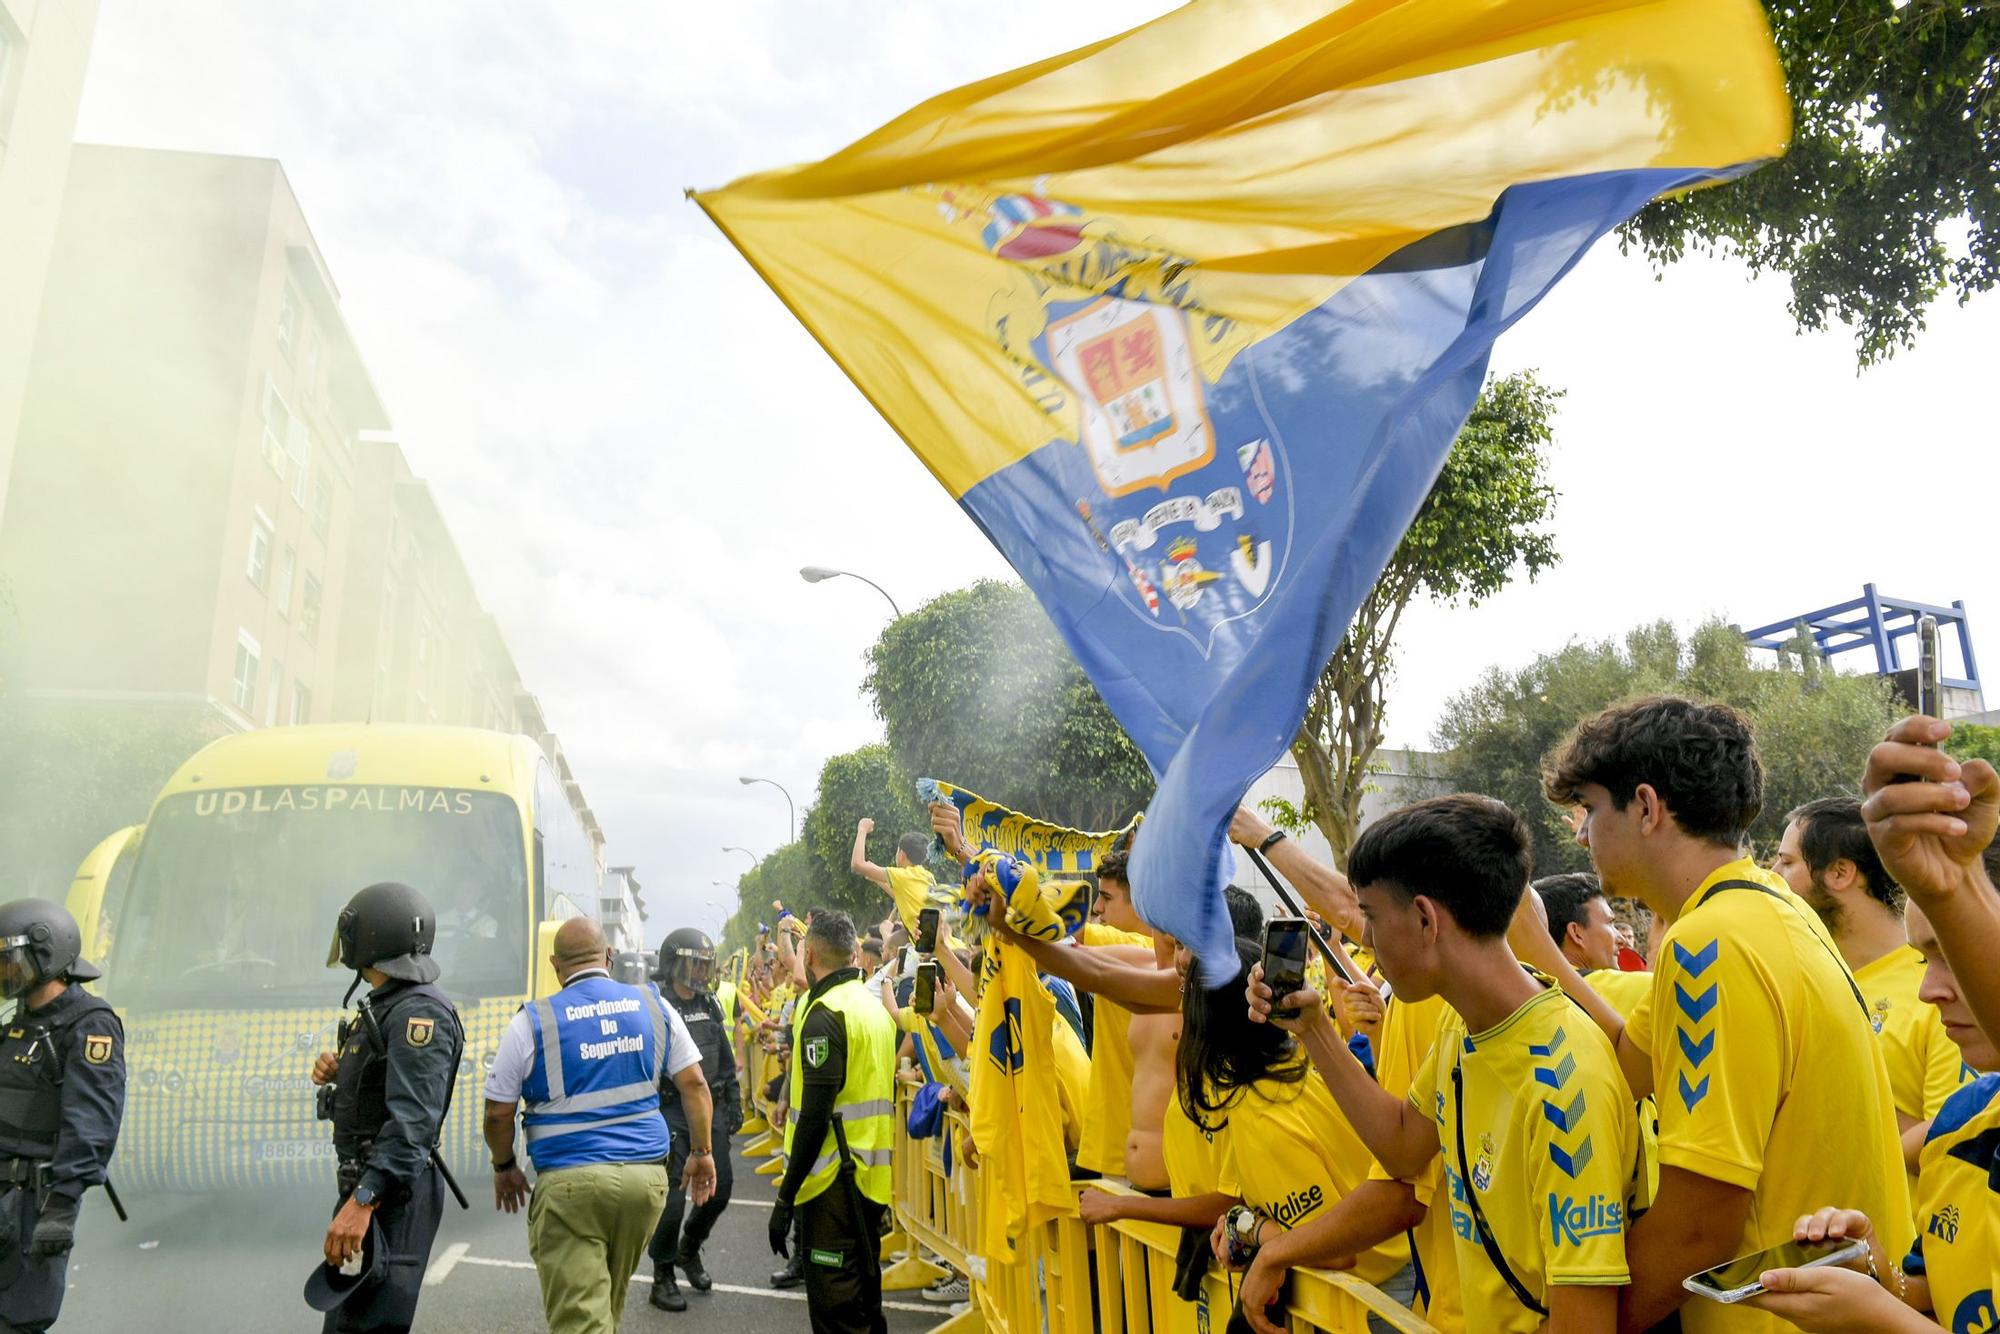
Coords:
1293,1155
1403,1047
1958,1209
1925,1067
1625,992
1550,1139
914,888
1767,1072
1197,1159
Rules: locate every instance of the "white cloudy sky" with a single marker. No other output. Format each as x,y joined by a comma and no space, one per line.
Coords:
637,447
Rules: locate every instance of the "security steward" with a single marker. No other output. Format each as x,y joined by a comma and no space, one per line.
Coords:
62,1095
387,1091
837,1143
686,972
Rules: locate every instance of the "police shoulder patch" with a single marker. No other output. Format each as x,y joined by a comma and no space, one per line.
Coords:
418,1032
816,1050
97,1048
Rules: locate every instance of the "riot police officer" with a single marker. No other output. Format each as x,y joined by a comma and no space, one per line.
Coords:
686,974
62,1095
387,1091
838,1141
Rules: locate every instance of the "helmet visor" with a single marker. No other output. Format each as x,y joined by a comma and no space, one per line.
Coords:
18,973
696,969
342,948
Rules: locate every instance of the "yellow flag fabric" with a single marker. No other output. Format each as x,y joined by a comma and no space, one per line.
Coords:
1017,1087
1188,319
1054,849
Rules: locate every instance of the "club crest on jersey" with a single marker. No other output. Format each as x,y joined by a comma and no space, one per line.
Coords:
1482,1171
418,1032
97,1048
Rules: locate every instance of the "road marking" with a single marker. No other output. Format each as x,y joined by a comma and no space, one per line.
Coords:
441,1268
732,1288
754,1204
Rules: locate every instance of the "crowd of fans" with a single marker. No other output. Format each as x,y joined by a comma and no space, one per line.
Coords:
1505,1104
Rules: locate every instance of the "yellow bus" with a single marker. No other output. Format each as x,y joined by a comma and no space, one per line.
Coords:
212,921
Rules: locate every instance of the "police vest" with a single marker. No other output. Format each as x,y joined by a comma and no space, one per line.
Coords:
360,1090
31,1075
866,1103
703,1019
593,1093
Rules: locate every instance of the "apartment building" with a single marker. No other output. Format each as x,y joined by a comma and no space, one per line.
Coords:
44,47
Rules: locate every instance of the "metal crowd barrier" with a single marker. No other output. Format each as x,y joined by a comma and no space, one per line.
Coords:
1077,1279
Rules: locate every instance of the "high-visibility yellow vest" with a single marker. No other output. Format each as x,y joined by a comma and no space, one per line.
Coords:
866,1103
725,995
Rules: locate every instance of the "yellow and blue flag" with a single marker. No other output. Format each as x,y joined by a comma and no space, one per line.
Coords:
1188,319
1054,849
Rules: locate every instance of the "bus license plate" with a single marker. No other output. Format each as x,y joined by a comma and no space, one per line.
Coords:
293,1150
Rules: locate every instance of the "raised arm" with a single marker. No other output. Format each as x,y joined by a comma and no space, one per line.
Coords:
858,861
1533,945
1324,889
1147,989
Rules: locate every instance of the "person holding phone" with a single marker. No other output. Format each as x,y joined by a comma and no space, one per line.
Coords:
1950,1269
1521,1094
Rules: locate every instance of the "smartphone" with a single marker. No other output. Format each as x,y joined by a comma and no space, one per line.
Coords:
924,999
906,965
1732,1282
927,929
1930,672
1285,959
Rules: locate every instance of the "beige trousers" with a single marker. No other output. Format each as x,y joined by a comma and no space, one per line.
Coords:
587,1229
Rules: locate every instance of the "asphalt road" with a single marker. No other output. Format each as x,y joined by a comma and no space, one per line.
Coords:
235,1265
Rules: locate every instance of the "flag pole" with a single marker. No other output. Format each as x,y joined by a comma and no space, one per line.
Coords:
1334,960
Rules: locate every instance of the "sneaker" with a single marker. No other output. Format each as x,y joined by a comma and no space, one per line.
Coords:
949,1290
697,1273
666,1294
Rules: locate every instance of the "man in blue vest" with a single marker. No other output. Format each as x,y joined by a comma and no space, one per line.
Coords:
588,1062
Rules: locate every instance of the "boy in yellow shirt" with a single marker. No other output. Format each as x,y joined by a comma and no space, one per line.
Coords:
1772,1091
1521,1094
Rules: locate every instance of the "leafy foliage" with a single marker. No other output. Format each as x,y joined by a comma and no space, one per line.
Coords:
864,782
1897,140
1974,741
1814,726
1484,519
975,687
75,773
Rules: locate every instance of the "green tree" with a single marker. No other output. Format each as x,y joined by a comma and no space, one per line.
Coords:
1483,520
975,687
75,773
864,782
1896,147
1974,741
1814,726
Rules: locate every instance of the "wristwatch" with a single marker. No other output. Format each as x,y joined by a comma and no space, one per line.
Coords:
508,1166
366,1197
1241,1228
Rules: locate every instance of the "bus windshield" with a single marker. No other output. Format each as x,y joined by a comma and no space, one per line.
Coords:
236,891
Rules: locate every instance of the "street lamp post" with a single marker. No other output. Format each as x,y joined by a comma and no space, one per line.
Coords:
814,574
792,810
745,851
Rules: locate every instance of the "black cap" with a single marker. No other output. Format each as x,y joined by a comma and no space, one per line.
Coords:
327,1288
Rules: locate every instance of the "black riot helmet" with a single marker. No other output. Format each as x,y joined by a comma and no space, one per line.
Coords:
388,927
39,942
687,957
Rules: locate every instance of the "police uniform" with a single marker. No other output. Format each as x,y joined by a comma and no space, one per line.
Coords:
708,1026
398,1063
62,1096
391,1094
837,1145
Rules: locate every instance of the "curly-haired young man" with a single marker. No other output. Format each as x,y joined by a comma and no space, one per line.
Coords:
1772,1091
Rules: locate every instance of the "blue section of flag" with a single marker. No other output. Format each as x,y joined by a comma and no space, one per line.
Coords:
1359,400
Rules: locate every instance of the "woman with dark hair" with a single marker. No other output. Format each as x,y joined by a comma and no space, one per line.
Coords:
1289,1152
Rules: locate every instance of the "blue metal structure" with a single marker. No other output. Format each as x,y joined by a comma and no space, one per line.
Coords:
1877,622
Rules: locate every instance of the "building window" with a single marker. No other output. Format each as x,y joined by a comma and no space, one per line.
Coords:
288,318
309,610
287,572
298,452
278,427
302,704
248,651
274,694
259,565
322,502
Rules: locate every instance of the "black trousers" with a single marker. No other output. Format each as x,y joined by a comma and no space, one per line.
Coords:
670,1240
843,1241
31,1290
409,1226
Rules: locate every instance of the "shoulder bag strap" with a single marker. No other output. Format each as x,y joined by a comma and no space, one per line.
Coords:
1493,1254
1839,962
